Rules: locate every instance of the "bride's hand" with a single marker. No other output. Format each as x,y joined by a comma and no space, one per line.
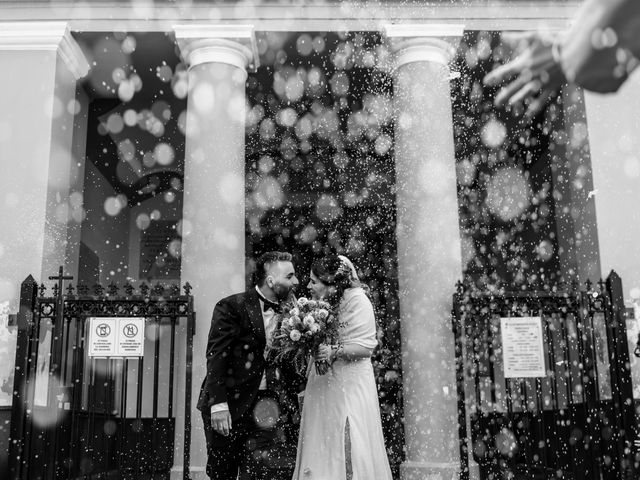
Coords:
323,354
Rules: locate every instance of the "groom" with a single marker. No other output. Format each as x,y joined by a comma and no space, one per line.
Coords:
240,388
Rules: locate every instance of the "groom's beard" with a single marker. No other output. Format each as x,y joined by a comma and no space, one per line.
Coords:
282,292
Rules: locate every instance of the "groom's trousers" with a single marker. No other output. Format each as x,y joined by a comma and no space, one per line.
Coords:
242,451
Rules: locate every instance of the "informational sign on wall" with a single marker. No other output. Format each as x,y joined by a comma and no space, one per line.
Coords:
523,351
116,337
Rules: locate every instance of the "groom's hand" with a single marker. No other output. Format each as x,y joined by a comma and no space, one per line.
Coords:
221,422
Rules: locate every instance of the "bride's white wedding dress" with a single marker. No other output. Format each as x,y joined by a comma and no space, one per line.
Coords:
341,410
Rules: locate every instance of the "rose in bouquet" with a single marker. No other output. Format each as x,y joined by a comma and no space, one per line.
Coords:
305,325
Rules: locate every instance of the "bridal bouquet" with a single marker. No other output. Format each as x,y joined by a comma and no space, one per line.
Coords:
305,324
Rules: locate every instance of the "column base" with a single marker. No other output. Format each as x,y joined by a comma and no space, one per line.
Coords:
474,470
195,473
429,471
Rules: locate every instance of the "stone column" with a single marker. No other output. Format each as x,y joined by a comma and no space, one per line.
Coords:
612,125
429,258
572,177
41,66
213,225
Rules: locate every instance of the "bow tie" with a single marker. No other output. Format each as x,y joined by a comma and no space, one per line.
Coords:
269,305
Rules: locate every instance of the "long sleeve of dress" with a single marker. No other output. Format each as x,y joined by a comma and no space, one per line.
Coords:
356,314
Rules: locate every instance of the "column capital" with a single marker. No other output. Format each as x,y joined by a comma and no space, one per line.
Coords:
231,44
45,36
423,42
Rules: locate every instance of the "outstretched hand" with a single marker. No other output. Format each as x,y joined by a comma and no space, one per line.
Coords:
534,75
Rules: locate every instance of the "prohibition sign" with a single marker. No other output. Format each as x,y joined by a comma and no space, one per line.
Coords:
130,330
103,330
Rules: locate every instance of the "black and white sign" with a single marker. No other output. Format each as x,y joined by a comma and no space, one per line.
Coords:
116,337
523,351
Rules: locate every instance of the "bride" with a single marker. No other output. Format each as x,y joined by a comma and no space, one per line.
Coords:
340,430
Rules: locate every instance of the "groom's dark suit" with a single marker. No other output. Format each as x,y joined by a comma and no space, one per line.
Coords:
235,367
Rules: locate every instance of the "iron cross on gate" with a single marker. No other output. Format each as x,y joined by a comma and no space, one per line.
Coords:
61,278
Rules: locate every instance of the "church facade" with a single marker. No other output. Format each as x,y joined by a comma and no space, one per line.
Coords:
166,142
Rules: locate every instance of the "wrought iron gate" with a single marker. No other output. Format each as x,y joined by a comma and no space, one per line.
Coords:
577,421
76,416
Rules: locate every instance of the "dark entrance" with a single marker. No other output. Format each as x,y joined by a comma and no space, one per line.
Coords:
577,421
76,416
320,176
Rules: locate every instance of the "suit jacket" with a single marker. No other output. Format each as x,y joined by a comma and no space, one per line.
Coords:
235,356
598,67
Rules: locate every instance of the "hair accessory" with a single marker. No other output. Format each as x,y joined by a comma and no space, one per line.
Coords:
343,270
351,269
